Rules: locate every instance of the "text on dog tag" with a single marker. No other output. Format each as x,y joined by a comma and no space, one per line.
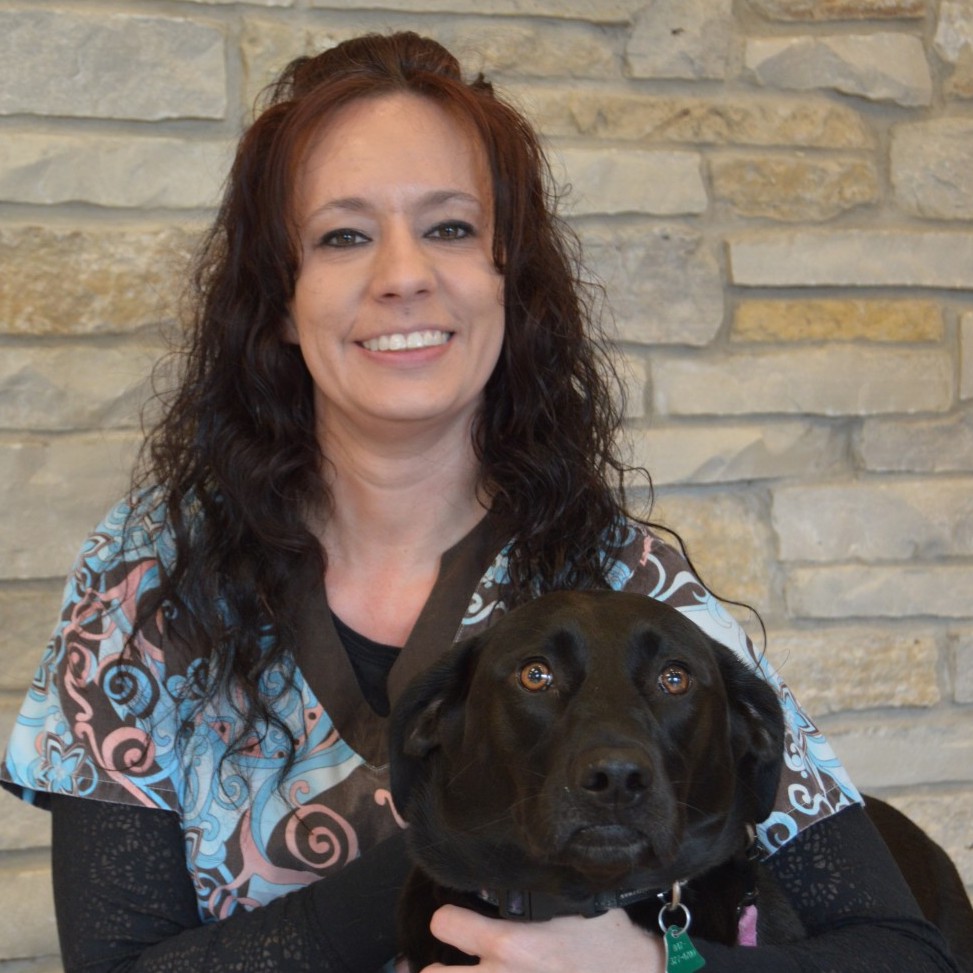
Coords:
681,954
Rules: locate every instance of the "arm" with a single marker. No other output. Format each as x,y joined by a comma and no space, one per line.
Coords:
125,902
839,875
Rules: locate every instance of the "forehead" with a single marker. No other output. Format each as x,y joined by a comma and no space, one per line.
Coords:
400,141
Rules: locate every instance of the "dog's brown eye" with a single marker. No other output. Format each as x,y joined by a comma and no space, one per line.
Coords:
675,680
536,676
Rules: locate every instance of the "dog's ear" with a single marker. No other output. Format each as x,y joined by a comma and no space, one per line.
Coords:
758,733
418,717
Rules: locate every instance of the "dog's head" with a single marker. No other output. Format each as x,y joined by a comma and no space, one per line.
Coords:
586,741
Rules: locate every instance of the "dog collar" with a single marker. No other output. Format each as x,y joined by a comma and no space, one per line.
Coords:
528,906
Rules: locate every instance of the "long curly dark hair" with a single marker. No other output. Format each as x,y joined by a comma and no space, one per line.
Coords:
235,454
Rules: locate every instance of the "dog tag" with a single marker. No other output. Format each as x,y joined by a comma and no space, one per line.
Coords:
681,954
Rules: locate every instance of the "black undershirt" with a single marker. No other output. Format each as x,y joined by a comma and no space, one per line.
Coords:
371,661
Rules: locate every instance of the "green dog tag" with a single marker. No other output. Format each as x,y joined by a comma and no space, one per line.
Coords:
681,954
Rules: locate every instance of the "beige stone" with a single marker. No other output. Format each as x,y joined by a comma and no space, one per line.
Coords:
27,919
961,664
831,380
920,445
662,281
931,165
734,452
966,355
793,189
53,492
110,65
879,67
138,171
816,10
893,520
856,667
836,319
611,180
905,590
723,119
887,257
604,12
681,39
29,611
953,43
728,537
89,279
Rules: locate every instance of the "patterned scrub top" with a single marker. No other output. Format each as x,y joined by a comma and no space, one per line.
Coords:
101,722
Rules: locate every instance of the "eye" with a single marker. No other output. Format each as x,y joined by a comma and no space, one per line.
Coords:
343,238
451,230
675,680
536,676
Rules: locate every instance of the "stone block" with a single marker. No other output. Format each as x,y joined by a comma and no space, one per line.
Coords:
837,319
633,372
27,926
663,281
22,826
922,445
953,43
53,492
41,964
904,751
875,520
113,170
855,667
681,39
880,591
605,12
961,664
728,537
932,168
110,65
65,387
29,611
793,188
833,381
729,453
817,10
966,355
90,279
884,67
608,180
610,113
852,258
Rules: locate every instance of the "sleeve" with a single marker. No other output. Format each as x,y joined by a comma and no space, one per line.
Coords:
97,720
814,784
859,915
125,902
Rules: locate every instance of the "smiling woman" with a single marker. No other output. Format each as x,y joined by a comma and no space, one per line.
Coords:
395,421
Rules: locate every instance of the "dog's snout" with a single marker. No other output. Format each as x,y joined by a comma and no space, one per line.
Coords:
616,777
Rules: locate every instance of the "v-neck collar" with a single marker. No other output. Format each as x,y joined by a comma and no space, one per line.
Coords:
324,662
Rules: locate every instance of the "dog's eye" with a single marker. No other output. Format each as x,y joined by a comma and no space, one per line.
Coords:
536,676
675,680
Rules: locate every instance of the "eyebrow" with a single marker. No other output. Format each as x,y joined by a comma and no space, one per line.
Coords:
434,198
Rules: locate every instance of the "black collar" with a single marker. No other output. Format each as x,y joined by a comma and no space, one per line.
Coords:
538,906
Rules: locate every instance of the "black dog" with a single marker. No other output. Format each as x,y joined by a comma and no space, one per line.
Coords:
589,750
592,749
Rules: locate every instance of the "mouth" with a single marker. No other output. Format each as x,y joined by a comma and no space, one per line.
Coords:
407,341
608,843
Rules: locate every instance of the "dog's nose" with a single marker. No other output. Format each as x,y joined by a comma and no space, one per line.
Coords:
616,777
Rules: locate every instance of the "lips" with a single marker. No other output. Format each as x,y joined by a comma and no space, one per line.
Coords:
407,341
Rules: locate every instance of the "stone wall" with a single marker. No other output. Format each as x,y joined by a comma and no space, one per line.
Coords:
778,195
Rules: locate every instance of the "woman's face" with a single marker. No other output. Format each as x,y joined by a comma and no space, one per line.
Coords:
398,305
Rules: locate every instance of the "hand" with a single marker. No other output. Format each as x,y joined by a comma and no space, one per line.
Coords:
569,944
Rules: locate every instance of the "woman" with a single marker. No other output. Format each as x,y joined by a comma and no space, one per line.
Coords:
393,422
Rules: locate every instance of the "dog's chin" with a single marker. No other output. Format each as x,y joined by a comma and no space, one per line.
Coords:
605,849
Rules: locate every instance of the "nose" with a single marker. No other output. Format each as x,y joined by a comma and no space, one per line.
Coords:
618,777
402,266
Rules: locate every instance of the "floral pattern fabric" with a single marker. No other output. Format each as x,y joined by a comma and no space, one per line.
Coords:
103,722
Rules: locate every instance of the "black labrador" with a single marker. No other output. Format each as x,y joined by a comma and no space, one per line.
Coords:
590,750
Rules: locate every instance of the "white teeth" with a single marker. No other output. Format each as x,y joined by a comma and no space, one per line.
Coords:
403,342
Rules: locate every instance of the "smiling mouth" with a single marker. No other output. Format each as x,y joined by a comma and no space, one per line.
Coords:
412,341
